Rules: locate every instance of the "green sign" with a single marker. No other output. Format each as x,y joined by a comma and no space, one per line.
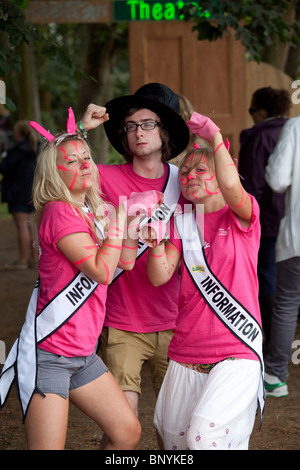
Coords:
151,10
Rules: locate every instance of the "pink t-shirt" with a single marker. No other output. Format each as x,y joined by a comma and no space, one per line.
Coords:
133,303
77,337
231,252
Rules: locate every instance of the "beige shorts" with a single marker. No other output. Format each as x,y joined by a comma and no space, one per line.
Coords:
124,353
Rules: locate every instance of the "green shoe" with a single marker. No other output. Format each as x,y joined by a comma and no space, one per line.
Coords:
274,387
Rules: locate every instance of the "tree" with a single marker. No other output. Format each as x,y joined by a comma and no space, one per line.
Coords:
84,55
18,36
269,29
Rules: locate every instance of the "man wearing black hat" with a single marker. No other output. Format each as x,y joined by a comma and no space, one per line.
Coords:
147,130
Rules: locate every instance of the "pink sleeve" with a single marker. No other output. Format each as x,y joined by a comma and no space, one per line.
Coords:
60,220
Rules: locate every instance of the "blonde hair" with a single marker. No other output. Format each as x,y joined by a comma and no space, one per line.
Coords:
197,154
48,185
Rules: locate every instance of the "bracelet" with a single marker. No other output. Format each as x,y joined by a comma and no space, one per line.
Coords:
220,145
164,240
82,130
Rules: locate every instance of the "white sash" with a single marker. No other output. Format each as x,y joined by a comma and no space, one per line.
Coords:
165,212
228,309
21,362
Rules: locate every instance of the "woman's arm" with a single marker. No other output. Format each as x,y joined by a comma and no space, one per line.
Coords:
97,263
162,262
130,244
93,117
229,181
226,173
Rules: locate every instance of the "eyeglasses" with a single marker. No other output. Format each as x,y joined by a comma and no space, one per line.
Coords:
145,126
252,110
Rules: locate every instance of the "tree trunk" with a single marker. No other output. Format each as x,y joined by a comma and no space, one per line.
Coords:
98,62
28,100
277,54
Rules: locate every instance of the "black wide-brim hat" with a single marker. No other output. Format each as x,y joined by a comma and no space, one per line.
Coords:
158,98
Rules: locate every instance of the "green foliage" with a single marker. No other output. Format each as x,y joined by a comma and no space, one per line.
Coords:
16,29
256,23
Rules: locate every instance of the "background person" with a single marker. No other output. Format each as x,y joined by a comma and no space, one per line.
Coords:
18,171
269,110
282,174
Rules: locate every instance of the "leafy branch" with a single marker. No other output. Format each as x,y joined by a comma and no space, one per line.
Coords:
257,24
16,29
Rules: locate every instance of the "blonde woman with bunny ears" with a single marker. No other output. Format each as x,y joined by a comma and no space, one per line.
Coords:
54,357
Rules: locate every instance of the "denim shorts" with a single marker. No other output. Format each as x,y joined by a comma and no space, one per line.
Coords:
20,207
60,374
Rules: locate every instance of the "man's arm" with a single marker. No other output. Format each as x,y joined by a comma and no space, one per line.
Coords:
280,164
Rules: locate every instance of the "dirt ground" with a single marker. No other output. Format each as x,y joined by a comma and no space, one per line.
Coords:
281,426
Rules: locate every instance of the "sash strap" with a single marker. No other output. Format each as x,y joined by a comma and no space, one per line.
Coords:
21,362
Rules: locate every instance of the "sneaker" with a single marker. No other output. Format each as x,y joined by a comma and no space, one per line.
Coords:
274,387
15,266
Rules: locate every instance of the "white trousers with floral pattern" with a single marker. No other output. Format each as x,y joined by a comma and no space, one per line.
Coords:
199,411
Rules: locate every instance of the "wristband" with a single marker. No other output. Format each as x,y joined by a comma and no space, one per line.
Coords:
82,130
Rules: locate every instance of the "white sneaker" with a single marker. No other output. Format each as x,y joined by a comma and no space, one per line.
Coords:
274,387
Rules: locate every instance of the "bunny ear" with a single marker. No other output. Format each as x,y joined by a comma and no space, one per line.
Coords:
227,144
196,146
41,130
71,125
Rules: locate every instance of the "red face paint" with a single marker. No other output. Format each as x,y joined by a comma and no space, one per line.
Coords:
74,180
106,270
64,152
75,156
60,167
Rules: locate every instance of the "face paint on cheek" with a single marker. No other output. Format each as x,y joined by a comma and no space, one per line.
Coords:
60,167
211,193
211,178
183,181
74,180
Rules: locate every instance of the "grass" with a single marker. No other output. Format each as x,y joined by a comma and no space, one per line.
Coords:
4,210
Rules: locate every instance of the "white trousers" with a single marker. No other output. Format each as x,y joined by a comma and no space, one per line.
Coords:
199,411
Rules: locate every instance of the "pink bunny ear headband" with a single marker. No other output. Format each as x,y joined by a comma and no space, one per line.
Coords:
71,129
